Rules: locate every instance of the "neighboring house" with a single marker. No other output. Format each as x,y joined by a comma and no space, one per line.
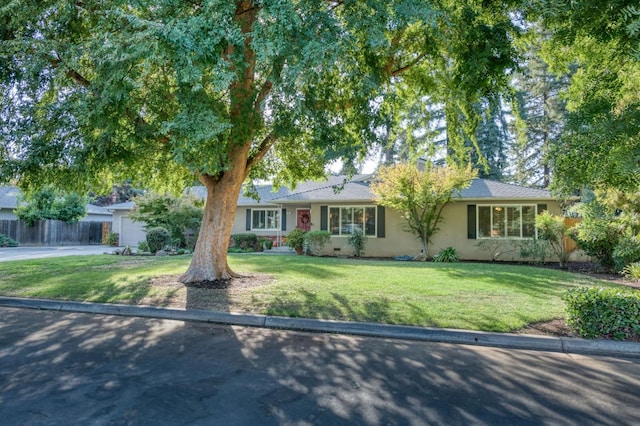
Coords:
8,202
9,199
130,232
486,211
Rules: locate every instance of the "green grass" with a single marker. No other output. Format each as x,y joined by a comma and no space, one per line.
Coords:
107,279
489,297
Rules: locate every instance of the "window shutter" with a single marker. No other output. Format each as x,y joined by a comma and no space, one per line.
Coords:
541,208
248,219
381,222
471,222
324,218
283,220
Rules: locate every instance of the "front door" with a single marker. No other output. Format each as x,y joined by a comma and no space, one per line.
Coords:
304,219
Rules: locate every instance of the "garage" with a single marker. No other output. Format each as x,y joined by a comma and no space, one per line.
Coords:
131,233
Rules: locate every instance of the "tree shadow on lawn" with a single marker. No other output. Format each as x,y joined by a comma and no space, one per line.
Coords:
307,304
530,280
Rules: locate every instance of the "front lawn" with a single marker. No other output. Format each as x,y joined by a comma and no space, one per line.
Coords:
490,297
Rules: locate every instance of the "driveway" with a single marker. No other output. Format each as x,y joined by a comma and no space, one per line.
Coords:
23,253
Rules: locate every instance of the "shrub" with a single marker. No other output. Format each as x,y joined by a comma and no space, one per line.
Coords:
603,313
551,228
357,240
143,246
626,252
181,216
265,243
316,240
157,238
6,241
239,250
632,271
600,229
245,241
447,255
496,247
112,239
597,239
295,238
534,249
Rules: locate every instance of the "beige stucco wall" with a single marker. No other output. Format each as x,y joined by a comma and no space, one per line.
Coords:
397,242
240,221
453,232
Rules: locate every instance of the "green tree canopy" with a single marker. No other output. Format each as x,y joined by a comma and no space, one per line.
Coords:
420,195
600,146
181,216
161,92
49,203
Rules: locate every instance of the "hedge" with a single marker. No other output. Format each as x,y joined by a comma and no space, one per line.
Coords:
603,312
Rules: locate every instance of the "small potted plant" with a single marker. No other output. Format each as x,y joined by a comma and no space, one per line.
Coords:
295,240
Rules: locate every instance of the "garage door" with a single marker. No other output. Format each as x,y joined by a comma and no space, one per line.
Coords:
131,233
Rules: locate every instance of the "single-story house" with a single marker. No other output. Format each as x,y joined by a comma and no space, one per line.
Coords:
486,211
10,195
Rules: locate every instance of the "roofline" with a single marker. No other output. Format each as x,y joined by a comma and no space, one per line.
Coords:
327,201
505,199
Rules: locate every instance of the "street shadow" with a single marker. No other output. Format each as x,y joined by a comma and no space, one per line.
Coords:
64,368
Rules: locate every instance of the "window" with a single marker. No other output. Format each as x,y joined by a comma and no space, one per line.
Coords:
506,221
346,220
267,219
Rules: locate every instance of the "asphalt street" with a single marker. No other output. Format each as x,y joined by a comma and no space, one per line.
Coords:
77,368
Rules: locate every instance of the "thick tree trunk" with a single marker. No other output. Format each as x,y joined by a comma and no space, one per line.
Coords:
209,262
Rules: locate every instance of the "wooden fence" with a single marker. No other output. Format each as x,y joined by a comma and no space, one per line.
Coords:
54,232
569,244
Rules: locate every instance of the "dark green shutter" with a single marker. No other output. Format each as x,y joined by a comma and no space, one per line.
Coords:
248,219
381,221
283,220
324,218
471,221
541,208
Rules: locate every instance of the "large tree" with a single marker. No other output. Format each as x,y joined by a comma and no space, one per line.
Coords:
541,111
600,147
161,92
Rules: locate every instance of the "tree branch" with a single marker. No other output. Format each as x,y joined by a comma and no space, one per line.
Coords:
71,73
261,151
334,4
404,68
395,42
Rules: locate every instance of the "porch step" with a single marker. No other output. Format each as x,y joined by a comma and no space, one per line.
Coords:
281,250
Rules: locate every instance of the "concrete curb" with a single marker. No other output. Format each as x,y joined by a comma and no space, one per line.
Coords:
467,337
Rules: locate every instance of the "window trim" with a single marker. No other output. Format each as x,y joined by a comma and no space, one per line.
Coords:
278,219
351,206
504,205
